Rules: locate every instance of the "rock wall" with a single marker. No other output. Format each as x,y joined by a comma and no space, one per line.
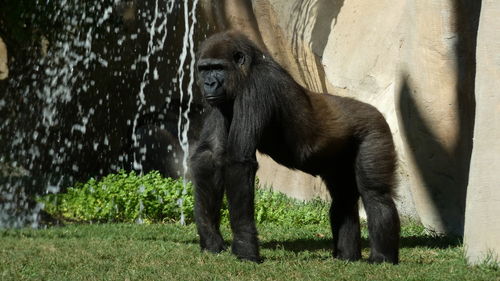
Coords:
91,92
82,84
4,69
482,223
413,60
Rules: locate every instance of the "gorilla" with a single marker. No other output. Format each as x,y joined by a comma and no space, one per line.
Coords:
254,104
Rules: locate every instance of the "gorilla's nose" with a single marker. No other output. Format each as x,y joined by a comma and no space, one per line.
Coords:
211,85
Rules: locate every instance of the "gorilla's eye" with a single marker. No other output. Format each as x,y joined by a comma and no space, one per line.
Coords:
239,58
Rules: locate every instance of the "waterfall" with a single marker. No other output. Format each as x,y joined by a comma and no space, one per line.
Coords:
183,123
72,110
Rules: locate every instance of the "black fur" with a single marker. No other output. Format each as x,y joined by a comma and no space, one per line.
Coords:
256,105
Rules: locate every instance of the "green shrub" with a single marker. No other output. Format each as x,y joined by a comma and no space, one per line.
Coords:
275,207
127,197
123,197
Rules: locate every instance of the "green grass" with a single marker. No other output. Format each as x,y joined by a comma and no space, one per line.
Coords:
171,252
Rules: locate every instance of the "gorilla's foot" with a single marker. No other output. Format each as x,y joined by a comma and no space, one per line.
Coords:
214,245
380,258
347,256
246,251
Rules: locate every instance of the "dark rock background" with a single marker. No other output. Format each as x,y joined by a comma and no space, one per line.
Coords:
71,107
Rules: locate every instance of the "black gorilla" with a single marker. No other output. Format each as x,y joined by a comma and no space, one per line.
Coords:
254,104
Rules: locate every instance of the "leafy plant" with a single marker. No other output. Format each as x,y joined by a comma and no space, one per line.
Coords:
275,207
128,197
123,197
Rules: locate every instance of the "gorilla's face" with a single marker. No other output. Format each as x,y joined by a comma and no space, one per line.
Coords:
221,67
212,75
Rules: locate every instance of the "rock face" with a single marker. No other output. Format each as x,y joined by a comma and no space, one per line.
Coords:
92,92
4,68
413,60
482,223
104,86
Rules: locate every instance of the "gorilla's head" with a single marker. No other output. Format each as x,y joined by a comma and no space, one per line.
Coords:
224,62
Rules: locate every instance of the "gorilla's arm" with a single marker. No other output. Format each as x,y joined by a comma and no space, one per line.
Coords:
207,172
244,134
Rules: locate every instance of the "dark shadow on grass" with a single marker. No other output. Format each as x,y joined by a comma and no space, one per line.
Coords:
438,242
301,245
298,245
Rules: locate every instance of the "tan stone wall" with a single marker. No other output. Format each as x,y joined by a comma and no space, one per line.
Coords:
482,220
4,68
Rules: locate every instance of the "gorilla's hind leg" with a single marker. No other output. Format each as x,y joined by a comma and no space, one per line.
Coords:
344,216
374,175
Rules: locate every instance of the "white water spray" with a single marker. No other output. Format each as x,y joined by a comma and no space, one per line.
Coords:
187,49
55,89
61,83
142,98
183,126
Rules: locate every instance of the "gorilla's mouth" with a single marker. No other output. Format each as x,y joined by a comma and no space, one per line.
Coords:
213,100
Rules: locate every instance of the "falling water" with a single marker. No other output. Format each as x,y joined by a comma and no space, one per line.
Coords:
71,107
183,128
152,49
52,87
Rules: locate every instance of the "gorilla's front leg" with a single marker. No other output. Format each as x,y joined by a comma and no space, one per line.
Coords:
209,191
207,164
240,179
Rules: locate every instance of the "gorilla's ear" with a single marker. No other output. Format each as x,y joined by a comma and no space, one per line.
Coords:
239,58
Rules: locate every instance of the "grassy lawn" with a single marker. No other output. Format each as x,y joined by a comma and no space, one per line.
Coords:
171,252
